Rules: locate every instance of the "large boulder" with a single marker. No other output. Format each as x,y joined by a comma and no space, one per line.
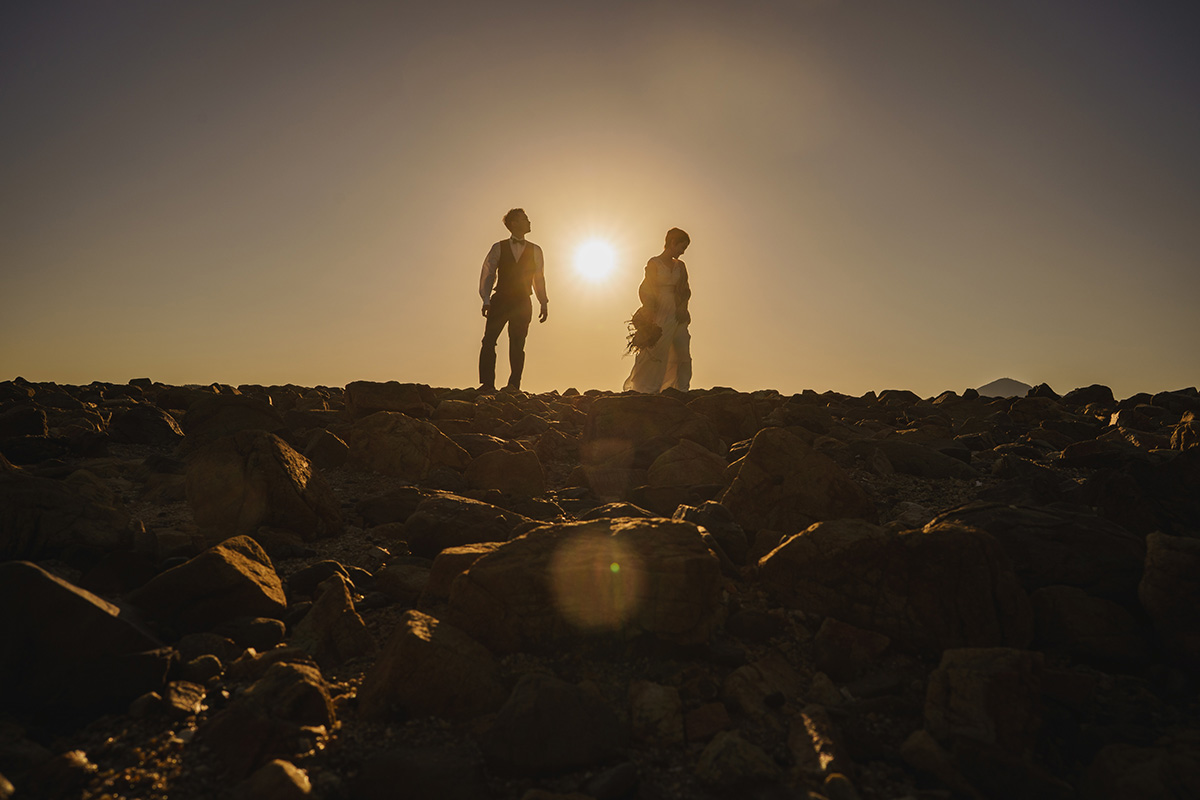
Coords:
396,444
252,479
687,464
213,416
548,725
143,423
67,651
564,580
515,472
911,458
1054,547
44,518
332,632
364,398
945,586
233,579
782,484
989,695
631,431
447,520
732,414
429,667
1170,592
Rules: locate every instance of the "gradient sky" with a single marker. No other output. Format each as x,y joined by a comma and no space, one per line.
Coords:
919,194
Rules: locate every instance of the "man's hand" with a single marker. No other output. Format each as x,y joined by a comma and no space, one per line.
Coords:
485,309
543,314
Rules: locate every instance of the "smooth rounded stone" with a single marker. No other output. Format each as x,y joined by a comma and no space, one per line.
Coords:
566,580
548,725
1096,393
395,444
988,695
275,780
146,706
655,713
518,473
730,761
1071,621
1170,592
261,633
944,586
448,520
845,651
67,651
143,423
429,667
225,582
394,506
442,772
783,484
332,632
253,479
279,716
452,562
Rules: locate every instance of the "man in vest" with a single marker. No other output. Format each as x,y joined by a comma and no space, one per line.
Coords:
515,268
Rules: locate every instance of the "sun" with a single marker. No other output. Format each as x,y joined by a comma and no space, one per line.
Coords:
595,260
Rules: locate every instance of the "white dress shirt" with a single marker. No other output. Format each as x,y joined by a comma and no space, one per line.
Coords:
487,277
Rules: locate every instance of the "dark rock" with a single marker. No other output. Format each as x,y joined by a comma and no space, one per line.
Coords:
548,726
1058,547
326,450
364,398
429,667
1096,393
394,506
143,423
395,444
1087,628
67,652
783,484
211,417
23,420
447,520
945,586
332,632
233,579
252,479
281,715
565,580
1170,592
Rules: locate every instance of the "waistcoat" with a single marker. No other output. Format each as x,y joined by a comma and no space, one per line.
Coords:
514,278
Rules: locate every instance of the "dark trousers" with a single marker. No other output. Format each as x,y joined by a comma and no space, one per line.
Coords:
516,313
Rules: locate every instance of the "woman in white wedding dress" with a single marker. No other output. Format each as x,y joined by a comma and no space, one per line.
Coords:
663,361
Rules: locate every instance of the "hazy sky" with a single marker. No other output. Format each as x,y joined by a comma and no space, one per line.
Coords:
920,194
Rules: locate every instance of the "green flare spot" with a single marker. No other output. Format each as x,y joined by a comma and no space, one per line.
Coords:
615,567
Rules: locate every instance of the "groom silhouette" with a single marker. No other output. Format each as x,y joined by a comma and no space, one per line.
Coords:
515,268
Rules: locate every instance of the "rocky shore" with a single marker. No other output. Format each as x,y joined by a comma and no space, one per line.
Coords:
393,590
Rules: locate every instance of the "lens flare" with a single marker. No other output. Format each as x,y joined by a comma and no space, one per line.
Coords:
597,582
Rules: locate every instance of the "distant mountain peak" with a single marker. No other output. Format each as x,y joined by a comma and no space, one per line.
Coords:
1004,387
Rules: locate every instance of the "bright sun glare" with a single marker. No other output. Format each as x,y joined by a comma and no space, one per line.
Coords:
595,260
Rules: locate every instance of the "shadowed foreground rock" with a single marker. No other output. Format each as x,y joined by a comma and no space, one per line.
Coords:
559,582
694,596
